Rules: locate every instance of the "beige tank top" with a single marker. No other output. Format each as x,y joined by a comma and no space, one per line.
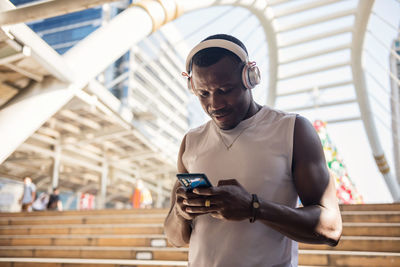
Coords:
260,159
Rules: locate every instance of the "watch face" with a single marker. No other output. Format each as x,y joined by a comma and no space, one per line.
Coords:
256,205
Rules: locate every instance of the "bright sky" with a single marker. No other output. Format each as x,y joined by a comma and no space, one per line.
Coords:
349,137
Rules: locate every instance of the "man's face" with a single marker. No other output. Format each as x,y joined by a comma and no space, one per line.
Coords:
221,93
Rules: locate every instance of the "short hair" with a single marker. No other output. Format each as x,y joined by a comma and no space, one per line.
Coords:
211,55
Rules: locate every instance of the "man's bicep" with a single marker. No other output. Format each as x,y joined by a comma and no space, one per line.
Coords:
181,166
310,173
181,169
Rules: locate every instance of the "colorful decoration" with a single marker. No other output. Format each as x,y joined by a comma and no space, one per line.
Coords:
345,189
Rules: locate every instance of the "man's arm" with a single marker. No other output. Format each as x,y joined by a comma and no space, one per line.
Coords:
319,220
177,228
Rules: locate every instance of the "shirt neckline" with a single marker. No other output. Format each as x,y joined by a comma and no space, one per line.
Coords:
243,124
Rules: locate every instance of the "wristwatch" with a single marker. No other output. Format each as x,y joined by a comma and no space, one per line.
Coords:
255,206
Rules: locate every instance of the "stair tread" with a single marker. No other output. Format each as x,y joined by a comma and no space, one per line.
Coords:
371,212
123,216
129,236
95,248
346,252
96,261
109,225
301,251
82,212
87,236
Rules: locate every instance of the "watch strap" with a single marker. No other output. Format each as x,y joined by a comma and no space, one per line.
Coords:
255,205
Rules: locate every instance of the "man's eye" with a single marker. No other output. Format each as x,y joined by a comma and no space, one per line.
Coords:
225,91
203,94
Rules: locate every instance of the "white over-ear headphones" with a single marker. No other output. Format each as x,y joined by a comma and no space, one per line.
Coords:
250,73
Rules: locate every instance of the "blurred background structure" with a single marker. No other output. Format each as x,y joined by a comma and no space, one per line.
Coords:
92,99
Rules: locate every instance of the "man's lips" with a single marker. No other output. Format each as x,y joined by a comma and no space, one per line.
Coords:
221,116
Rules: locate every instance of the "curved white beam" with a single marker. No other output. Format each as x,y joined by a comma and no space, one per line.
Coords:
361,21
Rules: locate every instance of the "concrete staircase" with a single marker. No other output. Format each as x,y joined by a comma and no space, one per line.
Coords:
371,237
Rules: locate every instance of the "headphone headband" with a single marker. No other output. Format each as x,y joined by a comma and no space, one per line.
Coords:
221,43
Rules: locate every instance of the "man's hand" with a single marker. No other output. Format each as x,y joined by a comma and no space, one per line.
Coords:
187,203
229,201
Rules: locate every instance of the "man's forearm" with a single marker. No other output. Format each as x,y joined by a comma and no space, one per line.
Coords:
177,229
312,224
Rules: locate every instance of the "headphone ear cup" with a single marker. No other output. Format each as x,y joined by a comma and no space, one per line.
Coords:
254,75
245,77
250,75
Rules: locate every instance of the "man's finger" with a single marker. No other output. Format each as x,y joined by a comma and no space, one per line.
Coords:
209,191
186,195
200,210
200,202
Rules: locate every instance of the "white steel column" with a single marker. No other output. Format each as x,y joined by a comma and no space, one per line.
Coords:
160,195
56,165
360,26
102,193
395,109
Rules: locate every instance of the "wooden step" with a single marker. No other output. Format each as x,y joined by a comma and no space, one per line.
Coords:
86,219
348,258
148,228
349,229
370,207
371,216
306,257
91,252
360,243
371,229
351,243
63,262
137,240
343,207
84,212
347,216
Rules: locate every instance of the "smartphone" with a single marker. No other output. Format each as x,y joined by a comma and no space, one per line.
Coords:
192,180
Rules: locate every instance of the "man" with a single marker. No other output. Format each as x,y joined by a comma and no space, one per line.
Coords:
29,194
260,160
54,201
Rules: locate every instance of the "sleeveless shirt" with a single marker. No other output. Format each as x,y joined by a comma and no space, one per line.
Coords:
260,159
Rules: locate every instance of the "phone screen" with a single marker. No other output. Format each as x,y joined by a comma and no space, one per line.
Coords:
192,180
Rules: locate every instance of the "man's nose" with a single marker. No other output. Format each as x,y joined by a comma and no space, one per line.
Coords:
217,102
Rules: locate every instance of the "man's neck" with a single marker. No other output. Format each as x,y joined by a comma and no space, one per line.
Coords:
253,109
